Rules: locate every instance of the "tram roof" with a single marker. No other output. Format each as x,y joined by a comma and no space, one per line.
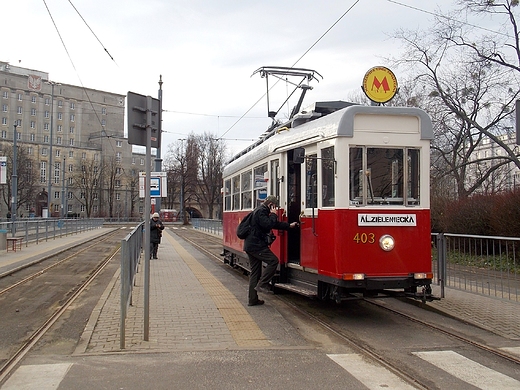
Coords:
318,122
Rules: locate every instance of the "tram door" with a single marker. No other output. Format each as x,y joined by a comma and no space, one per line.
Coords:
293,206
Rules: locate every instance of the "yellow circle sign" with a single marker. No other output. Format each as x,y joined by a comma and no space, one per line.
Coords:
380,84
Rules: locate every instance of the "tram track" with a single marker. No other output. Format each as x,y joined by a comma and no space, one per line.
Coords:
351,340
48,294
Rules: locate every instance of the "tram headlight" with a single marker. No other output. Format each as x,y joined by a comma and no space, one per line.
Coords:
387,242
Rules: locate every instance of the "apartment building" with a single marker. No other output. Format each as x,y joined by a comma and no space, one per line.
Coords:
65,131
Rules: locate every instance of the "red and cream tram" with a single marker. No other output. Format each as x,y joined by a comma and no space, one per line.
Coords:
357,179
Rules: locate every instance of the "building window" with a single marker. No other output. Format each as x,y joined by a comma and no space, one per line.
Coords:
142,161
83,155
4,121
33,124
33,111
60,128
44,151
119,144
72,117
70,181
47,101
70,195
58,142
71,130
4,107
19,110
43,171
71,141
118,196
133,160
60,116
32,137
103,111
4,134
82,208
71,168
46,126
71,154
118,156
46,114
103,122
60,103
20,97
46,139
29,150
56,195
72,105
58,152
33,99
5,94
117,183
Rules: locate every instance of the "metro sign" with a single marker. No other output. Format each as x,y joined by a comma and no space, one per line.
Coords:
380,84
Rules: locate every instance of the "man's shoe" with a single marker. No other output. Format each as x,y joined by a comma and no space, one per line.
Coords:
155,257
258,302
264,290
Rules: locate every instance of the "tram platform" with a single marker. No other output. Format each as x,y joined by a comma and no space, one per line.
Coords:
203,334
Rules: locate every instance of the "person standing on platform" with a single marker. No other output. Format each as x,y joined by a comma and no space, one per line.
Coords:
156,228
257,248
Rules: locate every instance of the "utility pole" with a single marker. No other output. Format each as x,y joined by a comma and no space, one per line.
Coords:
14,182
158,160
51,168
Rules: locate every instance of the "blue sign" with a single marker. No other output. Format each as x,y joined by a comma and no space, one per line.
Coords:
155,186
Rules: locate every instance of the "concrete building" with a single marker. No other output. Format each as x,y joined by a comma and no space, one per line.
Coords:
64,132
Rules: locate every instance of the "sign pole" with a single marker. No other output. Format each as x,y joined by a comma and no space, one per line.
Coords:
147,218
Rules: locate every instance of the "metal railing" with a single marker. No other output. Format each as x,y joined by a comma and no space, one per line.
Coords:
486,265
36,230
131,247
213,226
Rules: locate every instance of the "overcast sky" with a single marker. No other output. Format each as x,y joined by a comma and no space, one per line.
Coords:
207,50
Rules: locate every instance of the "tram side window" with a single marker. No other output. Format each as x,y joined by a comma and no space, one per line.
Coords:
311,171
247,199
385,175
413,197
275,172
356,175
260,184
227,195
327,174
236,192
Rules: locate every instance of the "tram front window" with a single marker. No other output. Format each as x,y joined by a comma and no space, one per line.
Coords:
377,176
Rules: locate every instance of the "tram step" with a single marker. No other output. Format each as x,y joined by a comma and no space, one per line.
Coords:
297,289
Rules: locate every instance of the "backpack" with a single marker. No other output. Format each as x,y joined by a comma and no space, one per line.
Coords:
244,227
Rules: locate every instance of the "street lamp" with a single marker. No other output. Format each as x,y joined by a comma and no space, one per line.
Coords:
14,181
52,84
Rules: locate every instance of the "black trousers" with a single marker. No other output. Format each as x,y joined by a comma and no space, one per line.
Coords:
257,277
154,246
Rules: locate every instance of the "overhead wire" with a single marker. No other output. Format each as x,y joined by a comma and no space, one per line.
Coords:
75,69
293,65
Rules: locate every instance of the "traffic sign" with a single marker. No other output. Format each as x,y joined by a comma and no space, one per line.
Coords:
136,120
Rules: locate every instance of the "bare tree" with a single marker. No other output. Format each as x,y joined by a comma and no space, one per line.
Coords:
211,164
468,95
87,179
181,163
27,179
111,180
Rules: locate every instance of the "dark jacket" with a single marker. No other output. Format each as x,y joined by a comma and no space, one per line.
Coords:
156,228
261,224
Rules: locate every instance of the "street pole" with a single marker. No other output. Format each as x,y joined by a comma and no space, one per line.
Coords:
50,170
158,160
63,191
147,218
14,182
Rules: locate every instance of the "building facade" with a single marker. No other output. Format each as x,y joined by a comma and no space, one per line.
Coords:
73,140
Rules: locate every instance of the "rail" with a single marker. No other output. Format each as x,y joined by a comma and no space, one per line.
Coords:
131,247
213,226
488,265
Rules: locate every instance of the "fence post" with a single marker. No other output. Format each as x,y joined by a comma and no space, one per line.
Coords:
441,261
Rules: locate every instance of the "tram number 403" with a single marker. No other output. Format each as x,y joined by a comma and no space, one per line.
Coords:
365,238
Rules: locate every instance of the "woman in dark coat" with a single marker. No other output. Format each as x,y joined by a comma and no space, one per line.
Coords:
156,228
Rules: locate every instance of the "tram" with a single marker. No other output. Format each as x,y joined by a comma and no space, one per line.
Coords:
357,179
